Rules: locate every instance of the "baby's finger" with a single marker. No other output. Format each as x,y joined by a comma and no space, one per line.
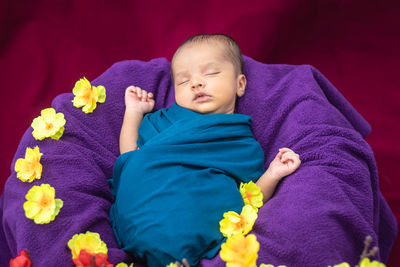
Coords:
144,96
288,156
130,89
139,92
285,149
150,95
279,154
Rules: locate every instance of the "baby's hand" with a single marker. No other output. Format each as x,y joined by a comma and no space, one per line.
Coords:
284,163
138,99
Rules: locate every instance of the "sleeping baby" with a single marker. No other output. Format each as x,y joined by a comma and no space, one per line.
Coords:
180,167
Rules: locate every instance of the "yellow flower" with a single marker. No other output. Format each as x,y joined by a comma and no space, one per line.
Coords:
89,241
240,251
251,194
123,264
87,95
234,223
367,263
270,265
29,168
49,124
172,265
41,206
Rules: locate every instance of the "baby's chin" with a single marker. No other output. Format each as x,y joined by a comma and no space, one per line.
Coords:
205,108
194,109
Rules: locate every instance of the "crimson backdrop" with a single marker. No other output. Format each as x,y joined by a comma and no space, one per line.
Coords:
45,46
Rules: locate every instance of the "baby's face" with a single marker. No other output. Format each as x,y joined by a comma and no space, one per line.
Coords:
205,80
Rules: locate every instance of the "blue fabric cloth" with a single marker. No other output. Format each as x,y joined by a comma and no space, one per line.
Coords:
171,193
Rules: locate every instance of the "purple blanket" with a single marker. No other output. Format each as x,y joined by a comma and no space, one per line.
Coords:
318,216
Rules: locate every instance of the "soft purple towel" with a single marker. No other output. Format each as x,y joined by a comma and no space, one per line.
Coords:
318,216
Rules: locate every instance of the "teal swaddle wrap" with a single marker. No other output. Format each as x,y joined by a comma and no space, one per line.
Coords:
171,193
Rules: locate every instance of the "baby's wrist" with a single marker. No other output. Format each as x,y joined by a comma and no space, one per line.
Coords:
134,111
273,175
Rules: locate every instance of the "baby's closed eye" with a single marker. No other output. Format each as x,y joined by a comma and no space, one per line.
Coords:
183,81
212,73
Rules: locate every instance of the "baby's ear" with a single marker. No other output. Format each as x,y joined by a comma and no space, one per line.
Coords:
241,85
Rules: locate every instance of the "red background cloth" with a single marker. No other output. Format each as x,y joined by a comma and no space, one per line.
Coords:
46,46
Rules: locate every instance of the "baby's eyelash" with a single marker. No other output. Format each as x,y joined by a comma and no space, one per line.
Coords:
183,82
213,73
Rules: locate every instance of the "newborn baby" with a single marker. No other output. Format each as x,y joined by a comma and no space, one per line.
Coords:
172,192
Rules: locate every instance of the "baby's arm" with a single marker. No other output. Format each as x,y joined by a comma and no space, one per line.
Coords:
284,163
137,103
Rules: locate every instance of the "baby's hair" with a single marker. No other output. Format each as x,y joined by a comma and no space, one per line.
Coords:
233,52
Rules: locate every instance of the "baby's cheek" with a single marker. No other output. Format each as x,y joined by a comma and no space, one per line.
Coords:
181,98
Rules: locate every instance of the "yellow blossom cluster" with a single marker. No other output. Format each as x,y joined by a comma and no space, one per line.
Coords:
88,241
240,250
41,205
91,243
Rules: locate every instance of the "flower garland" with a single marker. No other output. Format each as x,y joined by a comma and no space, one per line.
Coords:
41,206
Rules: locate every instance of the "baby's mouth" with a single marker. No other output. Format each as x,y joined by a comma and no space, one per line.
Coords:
201,97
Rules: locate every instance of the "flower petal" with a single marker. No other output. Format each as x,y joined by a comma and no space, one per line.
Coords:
31,209
48,114
81,87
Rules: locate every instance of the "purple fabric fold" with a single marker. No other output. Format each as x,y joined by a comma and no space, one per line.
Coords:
318,216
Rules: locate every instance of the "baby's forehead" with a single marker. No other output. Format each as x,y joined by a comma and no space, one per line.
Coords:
217,46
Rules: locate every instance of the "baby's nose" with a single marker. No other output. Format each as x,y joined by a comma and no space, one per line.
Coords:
198,83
